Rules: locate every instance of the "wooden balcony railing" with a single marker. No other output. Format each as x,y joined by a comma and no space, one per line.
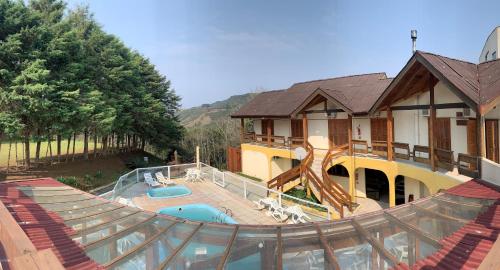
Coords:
468,165
295,141
275,141
379,148
444,159
360,146
405,153
418,150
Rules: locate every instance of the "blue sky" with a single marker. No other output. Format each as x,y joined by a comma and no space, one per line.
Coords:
213,49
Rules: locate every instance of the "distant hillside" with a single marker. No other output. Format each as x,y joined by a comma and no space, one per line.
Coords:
210,113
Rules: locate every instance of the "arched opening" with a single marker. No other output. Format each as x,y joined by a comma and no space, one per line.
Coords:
377,187
409,189
340,175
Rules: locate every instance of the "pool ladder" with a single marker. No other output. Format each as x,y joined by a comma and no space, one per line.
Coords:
227,211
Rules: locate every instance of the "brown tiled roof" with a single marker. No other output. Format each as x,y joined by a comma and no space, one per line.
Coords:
461,74
489,80
357,93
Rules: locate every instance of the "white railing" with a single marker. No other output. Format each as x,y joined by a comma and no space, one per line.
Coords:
137,175
250,190
238,185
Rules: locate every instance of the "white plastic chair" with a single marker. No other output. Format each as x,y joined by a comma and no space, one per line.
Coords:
150,180
163,180
298,215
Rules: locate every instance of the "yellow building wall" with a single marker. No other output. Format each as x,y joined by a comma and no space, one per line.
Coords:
257,161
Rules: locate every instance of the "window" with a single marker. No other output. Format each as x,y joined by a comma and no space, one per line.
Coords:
493,55
486,56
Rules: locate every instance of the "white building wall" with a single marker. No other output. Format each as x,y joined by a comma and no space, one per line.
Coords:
361,129
257,126
282,128
415,187
491,45
412,127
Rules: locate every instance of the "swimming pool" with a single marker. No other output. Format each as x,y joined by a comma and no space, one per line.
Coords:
168,192
198,212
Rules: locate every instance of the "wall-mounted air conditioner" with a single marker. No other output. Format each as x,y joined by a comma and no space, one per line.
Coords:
466,112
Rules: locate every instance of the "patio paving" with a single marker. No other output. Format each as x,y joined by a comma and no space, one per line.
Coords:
206,192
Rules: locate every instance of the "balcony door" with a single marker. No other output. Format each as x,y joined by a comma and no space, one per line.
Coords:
442,135
297,128
264,125
337,132
491,132
378,129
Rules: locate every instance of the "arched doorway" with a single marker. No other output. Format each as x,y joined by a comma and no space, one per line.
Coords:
409,189
340,175
377,187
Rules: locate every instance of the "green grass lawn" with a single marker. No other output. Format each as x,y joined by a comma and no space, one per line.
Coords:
4,151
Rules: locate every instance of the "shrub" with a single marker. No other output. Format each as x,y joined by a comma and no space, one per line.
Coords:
70,181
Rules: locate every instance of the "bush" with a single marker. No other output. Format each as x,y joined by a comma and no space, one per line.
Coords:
70,181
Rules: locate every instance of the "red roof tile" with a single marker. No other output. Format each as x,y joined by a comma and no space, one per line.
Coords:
46,229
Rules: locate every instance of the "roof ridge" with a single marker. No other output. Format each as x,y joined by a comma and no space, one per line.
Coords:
342,77
454,59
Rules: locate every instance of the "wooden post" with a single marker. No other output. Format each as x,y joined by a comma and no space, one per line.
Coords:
269,132
242,130
480,137
304,128
349,133
389,134
432,120
480,124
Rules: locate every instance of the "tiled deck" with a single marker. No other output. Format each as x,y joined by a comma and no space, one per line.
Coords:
244,211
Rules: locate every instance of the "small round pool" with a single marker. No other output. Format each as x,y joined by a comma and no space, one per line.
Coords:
168,192
198,212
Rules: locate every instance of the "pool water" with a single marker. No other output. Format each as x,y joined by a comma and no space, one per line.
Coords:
198,212
168,192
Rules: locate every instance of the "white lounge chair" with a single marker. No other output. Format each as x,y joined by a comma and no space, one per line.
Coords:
150,180
263,203
163,180
277,212
298,215
193,175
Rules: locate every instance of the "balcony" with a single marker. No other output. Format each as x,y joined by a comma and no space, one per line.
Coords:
273,140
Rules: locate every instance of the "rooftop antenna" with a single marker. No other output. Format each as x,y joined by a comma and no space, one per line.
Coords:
414,40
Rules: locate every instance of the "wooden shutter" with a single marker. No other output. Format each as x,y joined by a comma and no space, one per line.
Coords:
378,129
442,133
297,130
337,131
491,131
471,137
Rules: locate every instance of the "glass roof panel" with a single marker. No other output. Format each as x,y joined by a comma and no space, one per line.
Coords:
73,205
430,224
59,199
253,248
205,249
88,236
159,250
302,248
111,248
83,223
351,249
79,213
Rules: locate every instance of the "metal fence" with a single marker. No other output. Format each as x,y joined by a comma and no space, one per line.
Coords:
239,185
